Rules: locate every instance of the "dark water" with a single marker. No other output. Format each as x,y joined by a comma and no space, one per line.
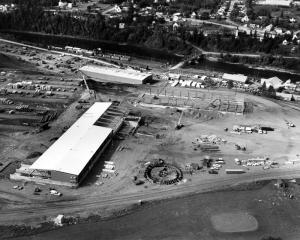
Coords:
147,53
62,41
189,218
242,69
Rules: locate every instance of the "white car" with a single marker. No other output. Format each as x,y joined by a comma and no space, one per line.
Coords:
217,165
54,192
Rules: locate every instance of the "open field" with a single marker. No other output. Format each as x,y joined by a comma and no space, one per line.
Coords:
234,222
31,98
190,218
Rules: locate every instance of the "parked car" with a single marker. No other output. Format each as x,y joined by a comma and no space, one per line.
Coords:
212,171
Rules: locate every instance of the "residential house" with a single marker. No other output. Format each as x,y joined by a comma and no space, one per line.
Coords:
275,82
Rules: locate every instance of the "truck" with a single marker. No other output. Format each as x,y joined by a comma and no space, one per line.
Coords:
235,171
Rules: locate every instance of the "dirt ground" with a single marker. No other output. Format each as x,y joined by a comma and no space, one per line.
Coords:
157,138
190,218
174,146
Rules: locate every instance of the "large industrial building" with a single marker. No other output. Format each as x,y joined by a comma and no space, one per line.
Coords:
238,78
106,74
72,156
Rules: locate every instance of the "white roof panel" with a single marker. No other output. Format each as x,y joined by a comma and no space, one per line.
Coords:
117,72
274,81
73,150
235,77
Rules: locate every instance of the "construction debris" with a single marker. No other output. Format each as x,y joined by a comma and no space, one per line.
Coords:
210,139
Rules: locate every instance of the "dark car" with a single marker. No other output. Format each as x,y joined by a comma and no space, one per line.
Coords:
212,171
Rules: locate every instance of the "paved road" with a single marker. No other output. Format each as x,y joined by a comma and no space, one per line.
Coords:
237,54
37,210
230,25
199,22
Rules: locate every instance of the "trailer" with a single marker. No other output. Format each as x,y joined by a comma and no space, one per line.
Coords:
175,83
188,83
109,170
193,84
235,171
109,166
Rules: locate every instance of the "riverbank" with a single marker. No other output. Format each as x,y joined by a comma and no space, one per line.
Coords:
43,39
189,217
152,55
236,68
269,68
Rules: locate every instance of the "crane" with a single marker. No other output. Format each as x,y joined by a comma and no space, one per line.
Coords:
91,92
179,124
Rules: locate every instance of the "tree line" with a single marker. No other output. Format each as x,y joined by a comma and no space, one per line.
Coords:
30,16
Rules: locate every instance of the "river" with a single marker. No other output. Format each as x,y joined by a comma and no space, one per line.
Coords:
44,40
243,69
147,53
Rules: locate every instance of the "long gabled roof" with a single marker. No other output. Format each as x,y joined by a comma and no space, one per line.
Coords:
235,77
117,72
74,149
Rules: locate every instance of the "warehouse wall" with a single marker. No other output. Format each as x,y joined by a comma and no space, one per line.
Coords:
62,177
94,159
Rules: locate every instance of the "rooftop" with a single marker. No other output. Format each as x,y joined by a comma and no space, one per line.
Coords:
124,73
235,77
73,150
273,81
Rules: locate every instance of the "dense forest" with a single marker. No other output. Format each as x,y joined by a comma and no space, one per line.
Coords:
244,43
30,16
264,60
144,31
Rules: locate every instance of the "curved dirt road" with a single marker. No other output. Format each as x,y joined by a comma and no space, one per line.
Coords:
36,212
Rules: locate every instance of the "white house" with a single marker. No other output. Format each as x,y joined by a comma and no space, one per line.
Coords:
269,28
274,81
121,25
176,17
117,9
284,96
193,15
62,4
289,85
245,19
278,30
285,42
175,26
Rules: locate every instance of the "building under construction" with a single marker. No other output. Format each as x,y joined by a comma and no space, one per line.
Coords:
68,160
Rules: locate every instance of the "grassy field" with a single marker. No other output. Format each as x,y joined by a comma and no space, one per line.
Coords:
190,218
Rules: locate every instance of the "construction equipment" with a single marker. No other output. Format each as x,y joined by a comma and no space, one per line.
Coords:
179,124
289,124
238,147
91,92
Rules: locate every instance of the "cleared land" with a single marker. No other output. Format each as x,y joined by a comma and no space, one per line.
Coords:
234,222
156,138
